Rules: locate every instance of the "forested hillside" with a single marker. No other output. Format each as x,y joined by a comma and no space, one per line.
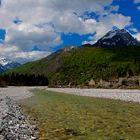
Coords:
79,65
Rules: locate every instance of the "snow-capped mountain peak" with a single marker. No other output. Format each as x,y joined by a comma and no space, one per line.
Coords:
4,61
113,33
6,64
117,38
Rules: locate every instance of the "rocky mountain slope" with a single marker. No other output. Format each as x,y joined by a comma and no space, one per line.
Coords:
6,64
117,38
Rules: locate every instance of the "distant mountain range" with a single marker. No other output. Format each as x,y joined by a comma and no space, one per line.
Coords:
6,64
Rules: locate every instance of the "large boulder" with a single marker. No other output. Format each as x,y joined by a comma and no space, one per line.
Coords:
131,82
121,81
92,83
104,84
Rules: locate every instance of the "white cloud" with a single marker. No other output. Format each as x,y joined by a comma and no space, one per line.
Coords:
106,23
133,30
138,7
22,56
137,36
30,56
70,23
25,36
6,50
42,11
111,9
45,20
88,42
136,1
114,8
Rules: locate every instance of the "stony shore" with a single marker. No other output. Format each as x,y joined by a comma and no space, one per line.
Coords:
117,94
13,124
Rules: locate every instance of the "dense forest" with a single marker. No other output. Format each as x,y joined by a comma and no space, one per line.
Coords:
23,80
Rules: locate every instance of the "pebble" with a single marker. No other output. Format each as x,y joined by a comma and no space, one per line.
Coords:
117,94
1,137
13,125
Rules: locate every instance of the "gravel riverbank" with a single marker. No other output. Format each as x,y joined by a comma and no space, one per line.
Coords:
13,124
117,94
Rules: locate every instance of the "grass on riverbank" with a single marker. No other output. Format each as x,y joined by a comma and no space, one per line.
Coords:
67,117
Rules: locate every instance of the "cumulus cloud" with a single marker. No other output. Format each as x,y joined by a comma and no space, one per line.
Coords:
43,21
26,36
70,23
22,56
42,11
137,36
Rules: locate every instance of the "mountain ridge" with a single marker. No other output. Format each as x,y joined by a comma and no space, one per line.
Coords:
78,65
117,38
6,64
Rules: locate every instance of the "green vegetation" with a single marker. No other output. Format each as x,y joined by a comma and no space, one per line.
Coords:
67,117
2,83
23,80
79,65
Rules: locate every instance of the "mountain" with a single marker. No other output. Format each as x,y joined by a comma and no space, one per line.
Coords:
117,38
6,64
78,65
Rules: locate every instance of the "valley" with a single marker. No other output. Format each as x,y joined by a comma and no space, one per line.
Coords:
75,93
79,66
100,65
71,114
65,116
69,70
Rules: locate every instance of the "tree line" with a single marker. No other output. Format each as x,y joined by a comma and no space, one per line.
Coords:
23,80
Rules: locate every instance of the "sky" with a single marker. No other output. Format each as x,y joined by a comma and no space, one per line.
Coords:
31,30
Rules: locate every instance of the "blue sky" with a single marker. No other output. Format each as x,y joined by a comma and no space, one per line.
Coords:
31,30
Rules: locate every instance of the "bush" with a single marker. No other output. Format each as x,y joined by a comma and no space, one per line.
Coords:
2,83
